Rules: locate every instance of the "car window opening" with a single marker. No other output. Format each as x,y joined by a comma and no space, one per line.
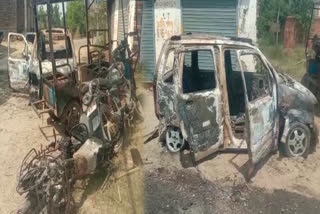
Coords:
198,71
59,47
256,75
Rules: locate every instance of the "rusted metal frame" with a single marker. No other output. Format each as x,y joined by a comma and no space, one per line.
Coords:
83,46
65,31
97,46
87,25
38,113
38,39
91,4
109,12
53,61
79,52
225,98
47,82
247,120
97,30
39,2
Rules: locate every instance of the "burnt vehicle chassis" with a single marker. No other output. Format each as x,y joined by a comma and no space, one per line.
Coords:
56,92
219,117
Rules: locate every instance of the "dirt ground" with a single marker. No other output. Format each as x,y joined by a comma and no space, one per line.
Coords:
20,131
217,185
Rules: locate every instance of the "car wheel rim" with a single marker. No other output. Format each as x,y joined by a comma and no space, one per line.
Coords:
297,142
174,139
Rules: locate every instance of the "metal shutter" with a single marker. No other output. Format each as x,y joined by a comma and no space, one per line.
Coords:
216,17
125,15
147,40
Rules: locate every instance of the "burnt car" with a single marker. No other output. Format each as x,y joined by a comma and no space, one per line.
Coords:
215,93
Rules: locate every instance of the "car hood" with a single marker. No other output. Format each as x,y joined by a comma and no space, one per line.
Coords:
293,95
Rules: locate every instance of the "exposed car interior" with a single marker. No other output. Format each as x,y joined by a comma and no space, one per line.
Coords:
198,71
236,94
257,82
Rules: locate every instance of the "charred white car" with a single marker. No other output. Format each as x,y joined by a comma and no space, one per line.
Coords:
24,53
216,93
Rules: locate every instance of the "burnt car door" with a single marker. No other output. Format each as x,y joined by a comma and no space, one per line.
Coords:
164,83
198,99
261,104
20,55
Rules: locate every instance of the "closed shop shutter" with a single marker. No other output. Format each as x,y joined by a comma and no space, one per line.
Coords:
122,17
215,17
147,50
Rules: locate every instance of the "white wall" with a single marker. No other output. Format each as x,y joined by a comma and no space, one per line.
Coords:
131,20
167,21
115,13
247,16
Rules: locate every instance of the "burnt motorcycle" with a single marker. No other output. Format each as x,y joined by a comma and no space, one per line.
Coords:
109,103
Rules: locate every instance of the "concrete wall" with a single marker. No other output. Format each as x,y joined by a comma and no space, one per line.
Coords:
167,21
247,18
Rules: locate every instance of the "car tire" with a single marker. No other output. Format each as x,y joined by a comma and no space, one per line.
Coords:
298,141
174,139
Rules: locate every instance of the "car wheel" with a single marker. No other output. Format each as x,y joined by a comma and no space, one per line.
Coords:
298,141
174,139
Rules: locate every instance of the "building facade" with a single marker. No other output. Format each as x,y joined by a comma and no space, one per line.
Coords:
162,19
15,17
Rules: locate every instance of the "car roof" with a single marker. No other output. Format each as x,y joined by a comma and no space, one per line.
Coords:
210,39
